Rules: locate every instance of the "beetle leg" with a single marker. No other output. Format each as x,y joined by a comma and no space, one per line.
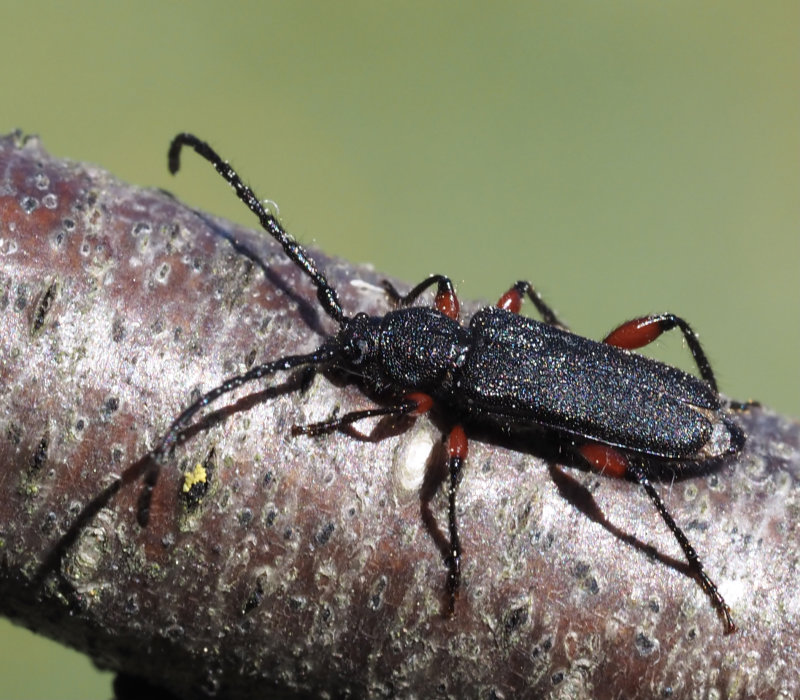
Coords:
643,331
710,588
611,462
512,301
414,404
457,454
605,460
446,299
417,403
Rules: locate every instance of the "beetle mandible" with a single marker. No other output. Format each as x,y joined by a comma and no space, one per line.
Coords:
624,414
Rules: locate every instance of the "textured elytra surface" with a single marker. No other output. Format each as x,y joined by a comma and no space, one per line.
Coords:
303,566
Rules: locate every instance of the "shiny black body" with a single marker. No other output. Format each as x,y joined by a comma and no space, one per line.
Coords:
622,413
505,369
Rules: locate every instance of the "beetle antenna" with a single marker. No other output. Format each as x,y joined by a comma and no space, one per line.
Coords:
326,294
167,444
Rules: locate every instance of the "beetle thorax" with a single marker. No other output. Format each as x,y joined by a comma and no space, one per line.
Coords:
421,348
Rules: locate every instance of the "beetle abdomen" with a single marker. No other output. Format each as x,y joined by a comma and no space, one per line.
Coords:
534,372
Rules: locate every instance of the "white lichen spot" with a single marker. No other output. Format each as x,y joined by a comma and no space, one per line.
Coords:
368,288
8,246
29,204
90,549
412,458
162,275
736,590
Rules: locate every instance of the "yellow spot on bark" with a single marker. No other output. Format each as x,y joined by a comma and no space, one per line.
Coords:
198,475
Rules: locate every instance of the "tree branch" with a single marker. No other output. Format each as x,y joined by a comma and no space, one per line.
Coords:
299,566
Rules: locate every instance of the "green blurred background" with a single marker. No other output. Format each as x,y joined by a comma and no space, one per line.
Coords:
627,157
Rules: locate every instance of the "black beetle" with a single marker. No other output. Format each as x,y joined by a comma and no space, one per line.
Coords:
626,415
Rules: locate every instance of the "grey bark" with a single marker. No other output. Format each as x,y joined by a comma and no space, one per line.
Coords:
312,567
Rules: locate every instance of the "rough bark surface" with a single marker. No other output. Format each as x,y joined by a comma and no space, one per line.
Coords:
309,567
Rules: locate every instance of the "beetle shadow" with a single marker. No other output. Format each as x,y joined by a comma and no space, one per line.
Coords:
135,471
549,446
307,310
558,453
435,476
51,563
577,495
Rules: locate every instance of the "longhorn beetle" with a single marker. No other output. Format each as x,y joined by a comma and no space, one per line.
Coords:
624,414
